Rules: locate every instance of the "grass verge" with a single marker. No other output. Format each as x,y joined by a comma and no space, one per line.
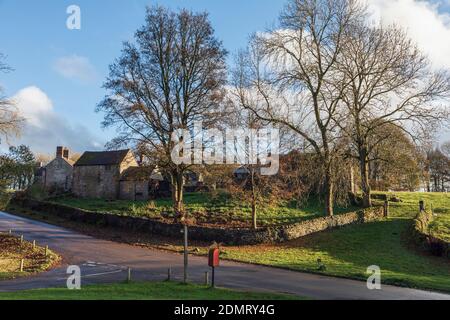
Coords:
12,251
144,291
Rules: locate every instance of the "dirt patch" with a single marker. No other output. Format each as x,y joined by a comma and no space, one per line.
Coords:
13,250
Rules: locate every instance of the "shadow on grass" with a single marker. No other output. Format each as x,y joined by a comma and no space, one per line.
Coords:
349,251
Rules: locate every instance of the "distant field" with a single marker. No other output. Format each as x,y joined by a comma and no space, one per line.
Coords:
12,251
208,209
144,291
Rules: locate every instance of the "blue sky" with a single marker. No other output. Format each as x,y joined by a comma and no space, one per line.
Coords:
58,72
35,39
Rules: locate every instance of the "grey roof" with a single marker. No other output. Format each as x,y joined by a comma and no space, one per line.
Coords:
146,173
103,158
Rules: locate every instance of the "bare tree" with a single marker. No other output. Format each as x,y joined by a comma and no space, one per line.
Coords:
388,81
10,119
445,148
250,185
287,76
170,78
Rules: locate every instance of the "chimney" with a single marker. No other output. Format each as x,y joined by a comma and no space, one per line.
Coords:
66,153
59,152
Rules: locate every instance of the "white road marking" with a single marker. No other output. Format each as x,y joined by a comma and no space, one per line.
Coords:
94,275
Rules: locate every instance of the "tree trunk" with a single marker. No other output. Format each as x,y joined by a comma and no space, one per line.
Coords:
178,192
329,192
352,180
365,179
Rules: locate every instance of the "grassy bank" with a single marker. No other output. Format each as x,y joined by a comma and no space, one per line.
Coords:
143,291
439,203
349,251
12,251
207,209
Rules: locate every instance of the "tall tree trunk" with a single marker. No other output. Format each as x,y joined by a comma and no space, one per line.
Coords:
329,192
365,178
352,180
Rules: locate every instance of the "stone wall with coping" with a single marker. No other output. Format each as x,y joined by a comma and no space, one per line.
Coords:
274,234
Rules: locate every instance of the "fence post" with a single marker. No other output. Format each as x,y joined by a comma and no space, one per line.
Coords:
207,278
169,274
21,265
421,205
34,244
386,209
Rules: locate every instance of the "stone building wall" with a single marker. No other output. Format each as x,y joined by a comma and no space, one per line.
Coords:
129,161
134,190
100,181
96,182
58,175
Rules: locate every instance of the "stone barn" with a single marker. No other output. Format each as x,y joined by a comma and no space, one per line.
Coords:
97,175
143,183
57,175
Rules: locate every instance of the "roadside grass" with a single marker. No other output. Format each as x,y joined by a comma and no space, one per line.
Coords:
347,252
208,209
12,251
144,291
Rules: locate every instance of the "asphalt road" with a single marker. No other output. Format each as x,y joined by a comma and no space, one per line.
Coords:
107,262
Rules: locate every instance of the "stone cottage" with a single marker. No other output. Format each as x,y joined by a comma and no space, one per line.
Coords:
57,175
143,183
97,174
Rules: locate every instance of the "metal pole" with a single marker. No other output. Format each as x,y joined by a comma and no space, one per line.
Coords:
213,282
129,275
186,261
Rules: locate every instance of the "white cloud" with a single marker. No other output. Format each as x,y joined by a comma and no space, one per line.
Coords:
44,128
428,27
76,67
33,103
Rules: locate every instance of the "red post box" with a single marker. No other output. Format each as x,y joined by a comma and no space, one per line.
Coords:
214,258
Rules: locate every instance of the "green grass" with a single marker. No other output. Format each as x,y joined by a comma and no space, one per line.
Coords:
143,291
347,252
208,209
439,203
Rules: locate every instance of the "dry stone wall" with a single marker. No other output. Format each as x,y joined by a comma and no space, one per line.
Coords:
220,235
